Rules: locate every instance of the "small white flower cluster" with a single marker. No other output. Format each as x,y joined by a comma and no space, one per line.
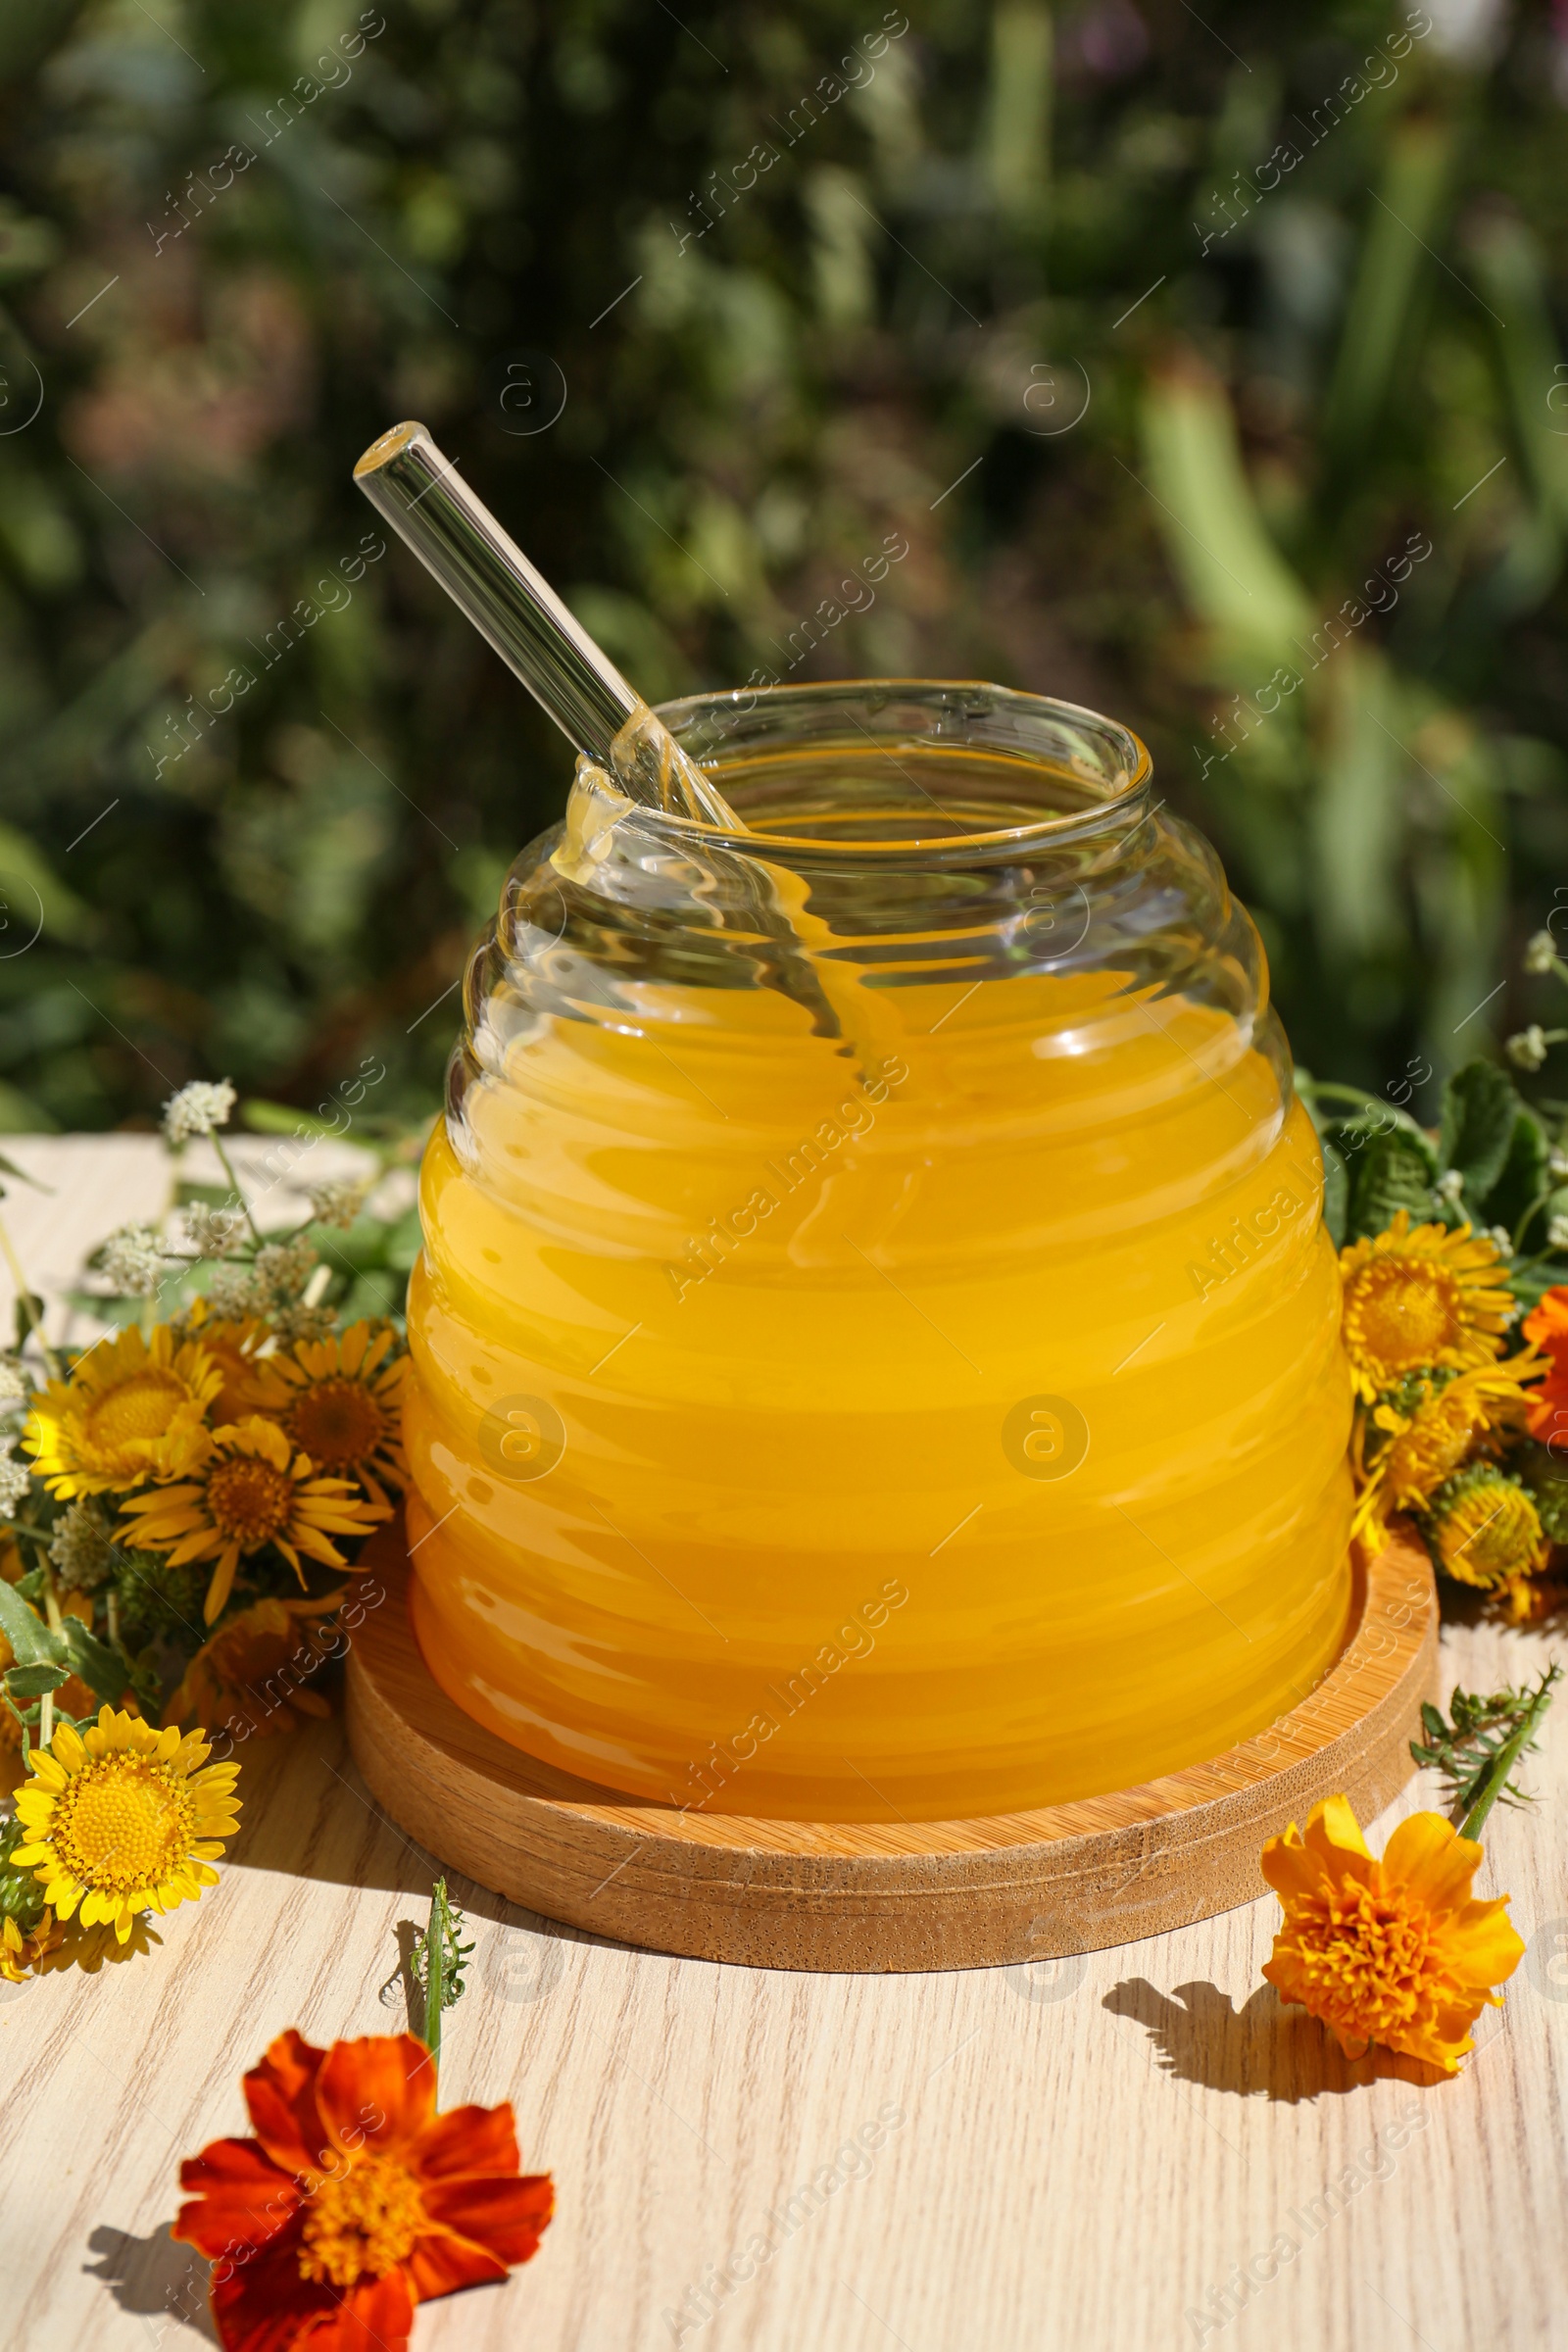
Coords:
304,1319
1557,1233
15,1479
197,1109
133,1261
273,1284
1527,1047
13,1380
214,1232
1541,953
284,1268
338,1200
82,1546
1451,1185
235,1293
1502,1241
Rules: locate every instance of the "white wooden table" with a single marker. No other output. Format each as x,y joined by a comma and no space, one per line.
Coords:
1089,2148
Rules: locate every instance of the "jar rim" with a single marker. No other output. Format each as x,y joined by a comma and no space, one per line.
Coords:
1116,792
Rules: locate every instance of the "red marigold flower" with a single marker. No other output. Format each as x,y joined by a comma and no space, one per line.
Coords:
355,2201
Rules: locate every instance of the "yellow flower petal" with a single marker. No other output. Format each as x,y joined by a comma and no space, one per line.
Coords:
69,1751
1336,1826
1433,1860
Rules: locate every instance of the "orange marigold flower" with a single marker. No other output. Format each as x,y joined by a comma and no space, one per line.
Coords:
250,1676
1547,1325
1394,1950
355,2201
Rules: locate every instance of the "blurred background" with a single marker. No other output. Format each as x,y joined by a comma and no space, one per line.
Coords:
1211,367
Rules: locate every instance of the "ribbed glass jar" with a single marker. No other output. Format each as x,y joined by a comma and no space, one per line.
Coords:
877,1347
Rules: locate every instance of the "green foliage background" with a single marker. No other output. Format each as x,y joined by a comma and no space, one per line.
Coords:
1293,368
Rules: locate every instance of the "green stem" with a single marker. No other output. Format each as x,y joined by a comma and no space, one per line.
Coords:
50,1360
1507,1756
1534,1211
435,1973
227,1166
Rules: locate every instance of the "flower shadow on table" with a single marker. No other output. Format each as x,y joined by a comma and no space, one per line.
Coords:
1264,2049
157,2280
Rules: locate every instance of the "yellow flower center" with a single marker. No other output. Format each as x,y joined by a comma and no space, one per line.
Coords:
1406,1316
141,1407
1368,1954
250,1501
337,1423
123,1822
362,2225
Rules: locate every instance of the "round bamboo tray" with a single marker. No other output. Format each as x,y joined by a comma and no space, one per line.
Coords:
887,1896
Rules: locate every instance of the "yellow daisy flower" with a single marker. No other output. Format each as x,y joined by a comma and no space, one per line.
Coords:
1487,1532
1401,1458
21,1950
1418,1296
1394,1950
121,1818
250,1668
249,1488
342,1402
234,1347
131,1409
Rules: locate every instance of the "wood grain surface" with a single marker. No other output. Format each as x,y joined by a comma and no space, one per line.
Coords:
1088,2147
894,1895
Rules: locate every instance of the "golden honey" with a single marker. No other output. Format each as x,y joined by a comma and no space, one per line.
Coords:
877,1347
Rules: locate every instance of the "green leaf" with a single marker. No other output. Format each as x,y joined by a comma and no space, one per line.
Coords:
25,1324
404,1239
9,1167
31,1682
1525,1180
40,892
281,1118
208,1196
1374,340
1336,1195
31,1642
1388,1167
374,1297
1480,1108
1546,1479
100,1667
1231,572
